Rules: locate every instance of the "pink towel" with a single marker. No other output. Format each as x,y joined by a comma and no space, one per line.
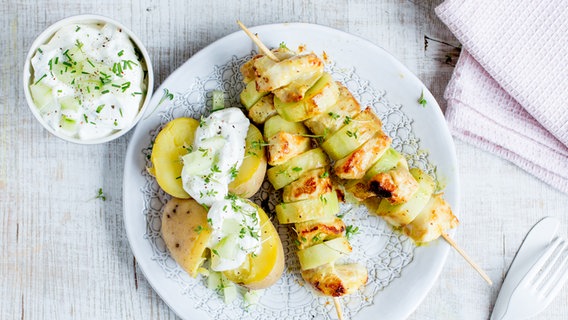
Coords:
509,91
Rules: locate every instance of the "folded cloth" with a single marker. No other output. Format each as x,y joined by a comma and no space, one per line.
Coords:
509,91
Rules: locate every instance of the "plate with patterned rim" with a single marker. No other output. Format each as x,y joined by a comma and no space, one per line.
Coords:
400,274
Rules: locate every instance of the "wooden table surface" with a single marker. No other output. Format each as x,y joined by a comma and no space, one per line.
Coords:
64,253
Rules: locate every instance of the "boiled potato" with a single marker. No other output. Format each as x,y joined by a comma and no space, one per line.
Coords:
262,270
170,145
173,142
252,170
186,232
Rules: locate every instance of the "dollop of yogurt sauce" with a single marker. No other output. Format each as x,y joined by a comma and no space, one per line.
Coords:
89,80
212,163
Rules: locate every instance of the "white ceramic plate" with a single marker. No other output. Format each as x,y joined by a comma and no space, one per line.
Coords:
400,275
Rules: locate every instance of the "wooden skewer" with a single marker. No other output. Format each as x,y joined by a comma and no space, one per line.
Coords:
271,55
467,258
336,301
259,43
338,308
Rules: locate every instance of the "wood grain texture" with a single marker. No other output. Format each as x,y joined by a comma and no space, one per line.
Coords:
64,253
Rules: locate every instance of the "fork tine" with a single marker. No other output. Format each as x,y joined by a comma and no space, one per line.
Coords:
558,277
550,263
535,269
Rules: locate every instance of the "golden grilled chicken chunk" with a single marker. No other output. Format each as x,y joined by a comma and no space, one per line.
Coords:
436,217
346,108
296,90
316,231
360,189
283,146
270,75
359,161
310,185
336,280
247,69
396,185
262,109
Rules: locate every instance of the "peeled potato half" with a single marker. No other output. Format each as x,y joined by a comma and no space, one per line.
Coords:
173,142
262,270
170,145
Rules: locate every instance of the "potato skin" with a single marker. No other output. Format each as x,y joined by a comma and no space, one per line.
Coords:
186,232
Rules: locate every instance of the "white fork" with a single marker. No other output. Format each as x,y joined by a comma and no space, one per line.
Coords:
541,283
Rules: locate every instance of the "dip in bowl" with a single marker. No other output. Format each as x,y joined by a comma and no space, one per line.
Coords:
88,79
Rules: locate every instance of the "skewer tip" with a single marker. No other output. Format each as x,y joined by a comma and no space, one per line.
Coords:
257,41
482,273
338,308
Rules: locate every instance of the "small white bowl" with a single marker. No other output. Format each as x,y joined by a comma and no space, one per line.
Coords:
45,36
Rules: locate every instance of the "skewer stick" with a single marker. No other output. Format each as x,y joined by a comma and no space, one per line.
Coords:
338,308
271,55
259,43
467,258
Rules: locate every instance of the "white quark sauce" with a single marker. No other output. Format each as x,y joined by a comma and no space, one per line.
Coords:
218,150
238,223
88,81
215,156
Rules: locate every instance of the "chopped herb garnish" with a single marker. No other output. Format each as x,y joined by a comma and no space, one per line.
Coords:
117,69
283,45
234,172
39,50
77,29
316,238
351,231
89,61
422,100
347,120
120,111
296,169
100,108
178,177
198,229
204,151
352,134
324,175
259,144
105,91
231,196
45,75
201,122
334,116
127,64
66,54
217,253
79,44
101,195
120,53
323,199
86,118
